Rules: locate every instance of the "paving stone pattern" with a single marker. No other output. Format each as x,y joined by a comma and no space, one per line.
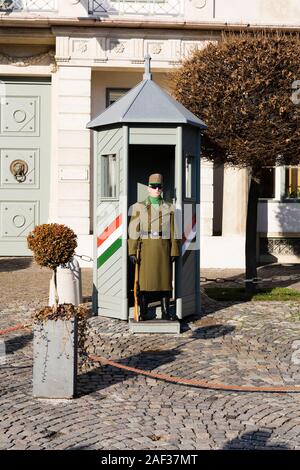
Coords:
235,343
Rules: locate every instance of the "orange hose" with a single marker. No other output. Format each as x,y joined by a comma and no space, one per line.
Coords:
14,328
193,382
179,380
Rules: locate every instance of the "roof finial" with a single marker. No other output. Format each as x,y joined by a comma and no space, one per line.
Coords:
147,75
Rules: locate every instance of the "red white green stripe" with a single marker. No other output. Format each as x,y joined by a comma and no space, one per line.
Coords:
109,241
186,241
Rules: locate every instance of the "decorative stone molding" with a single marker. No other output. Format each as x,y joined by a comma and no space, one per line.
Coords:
188,47
63,49
199,3
117,47
80,47
120,51
45,58
100,50
203,44
156,48
100,60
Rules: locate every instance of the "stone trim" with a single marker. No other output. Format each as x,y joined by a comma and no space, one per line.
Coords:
45,58
116,50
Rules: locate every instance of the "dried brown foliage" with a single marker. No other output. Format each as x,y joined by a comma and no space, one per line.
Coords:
63,312
242,87
52,244
68,312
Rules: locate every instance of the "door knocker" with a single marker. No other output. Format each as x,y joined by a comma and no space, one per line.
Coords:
19,169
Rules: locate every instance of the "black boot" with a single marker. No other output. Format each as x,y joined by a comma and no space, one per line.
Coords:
165,309
143,307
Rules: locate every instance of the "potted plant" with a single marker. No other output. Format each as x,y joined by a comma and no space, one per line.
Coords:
55,327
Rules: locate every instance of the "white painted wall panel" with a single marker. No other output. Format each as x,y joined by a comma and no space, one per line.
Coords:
72,121
74,87
78,156
222,252
206,210
75,73
68,190
73,139
278,217
74,104
72,208
79,225
206,193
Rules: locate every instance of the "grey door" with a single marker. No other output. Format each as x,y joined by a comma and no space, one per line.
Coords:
24,161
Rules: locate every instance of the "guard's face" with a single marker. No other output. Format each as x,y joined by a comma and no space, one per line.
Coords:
155,189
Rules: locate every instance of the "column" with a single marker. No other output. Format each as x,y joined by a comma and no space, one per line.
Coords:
235,195
74,148
206,198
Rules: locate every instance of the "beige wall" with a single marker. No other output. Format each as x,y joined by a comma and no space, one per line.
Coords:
117,79
267,12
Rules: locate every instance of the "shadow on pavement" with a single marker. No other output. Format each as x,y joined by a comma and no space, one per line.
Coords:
149,360
264,271
18,342
15,263
254,440
212,331
104,376
203,327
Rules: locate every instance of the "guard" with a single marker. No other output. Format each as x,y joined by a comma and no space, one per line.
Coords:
152,233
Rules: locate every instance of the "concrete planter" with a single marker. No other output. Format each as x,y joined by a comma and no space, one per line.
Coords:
55,358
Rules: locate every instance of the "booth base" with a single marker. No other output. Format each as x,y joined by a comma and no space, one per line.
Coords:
154,326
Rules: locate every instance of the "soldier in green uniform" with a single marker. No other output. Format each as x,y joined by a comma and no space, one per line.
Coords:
152,224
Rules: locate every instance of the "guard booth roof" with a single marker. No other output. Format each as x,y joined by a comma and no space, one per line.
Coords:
146,103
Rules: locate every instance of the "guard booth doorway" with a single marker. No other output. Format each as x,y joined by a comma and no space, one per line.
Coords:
144,160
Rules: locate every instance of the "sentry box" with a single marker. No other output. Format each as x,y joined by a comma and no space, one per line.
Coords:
144,132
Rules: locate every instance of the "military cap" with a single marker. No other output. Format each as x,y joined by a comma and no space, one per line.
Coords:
155,178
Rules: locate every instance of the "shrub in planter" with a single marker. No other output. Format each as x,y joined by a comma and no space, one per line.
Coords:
52,245
55,327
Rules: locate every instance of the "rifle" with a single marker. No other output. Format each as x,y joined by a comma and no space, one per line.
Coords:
136,288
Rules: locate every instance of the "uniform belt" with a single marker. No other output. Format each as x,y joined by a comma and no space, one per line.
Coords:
156,234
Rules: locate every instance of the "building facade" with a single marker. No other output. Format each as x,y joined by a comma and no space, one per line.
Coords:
63,61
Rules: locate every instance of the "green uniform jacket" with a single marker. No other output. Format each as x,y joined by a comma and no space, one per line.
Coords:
155,230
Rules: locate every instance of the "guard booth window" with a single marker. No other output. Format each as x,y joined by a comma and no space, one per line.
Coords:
189,177
109,176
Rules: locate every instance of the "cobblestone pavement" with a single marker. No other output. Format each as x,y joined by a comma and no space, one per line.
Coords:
251,343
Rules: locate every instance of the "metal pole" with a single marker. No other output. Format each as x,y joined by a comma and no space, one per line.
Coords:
197,253
124,211
95,229
178,201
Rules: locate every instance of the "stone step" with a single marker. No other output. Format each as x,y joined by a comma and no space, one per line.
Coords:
154,326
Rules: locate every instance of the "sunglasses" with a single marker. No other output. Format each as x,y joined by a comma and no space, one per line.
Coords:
155,185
